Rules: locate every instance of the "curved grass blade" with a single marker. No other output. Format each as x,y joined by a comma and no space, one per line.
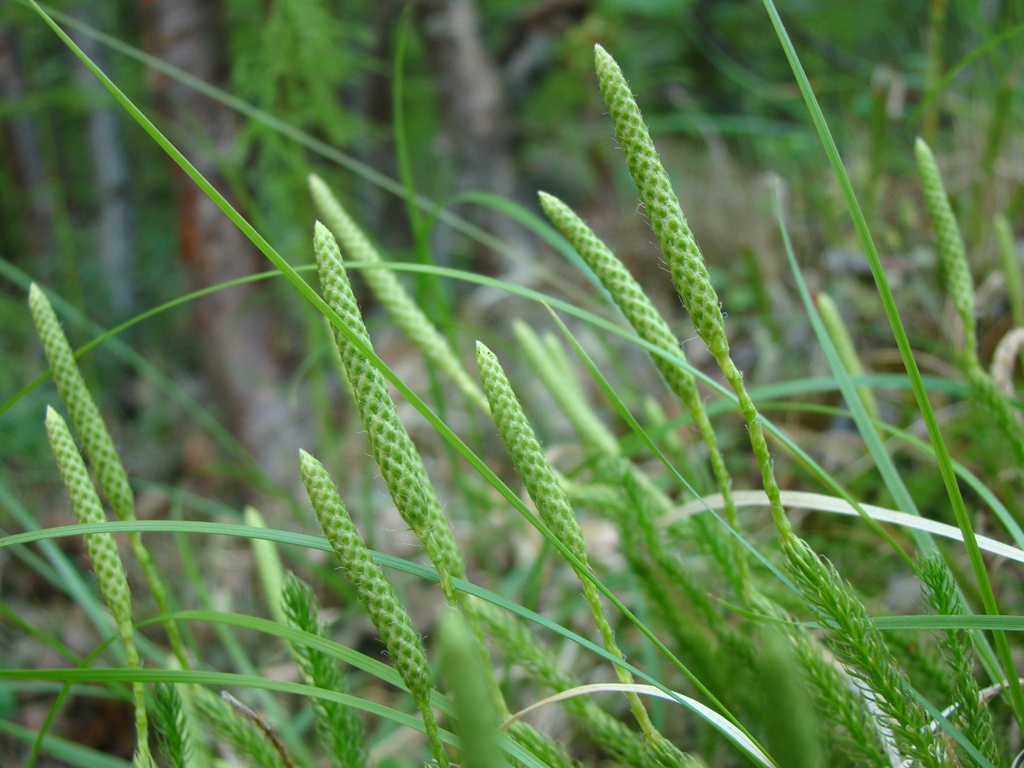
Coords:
650,690
62,749
821,503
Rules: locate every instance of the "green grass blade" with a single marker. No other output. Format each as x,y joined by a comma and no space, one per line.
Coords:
865,425
537,226
933,621
62,749
907,355
952,730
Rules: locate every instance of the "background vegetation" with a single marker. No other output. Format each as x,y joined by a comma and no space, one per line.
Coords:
476,106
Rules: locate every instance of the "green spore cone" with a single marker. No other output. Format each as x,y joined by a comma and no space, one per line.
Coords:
89,424
400,463
689,273
374,592
649,324
956,273
106,563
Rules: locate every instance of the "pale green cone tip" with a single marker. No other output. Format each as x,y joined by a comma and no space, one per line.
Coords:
956,272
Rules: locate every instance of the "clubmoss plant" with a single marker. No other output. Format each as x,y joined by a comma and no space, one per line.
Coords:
641,313
853,634
686,263
676,581
339,727
940,592
956,275
375,593
106,563
554,508
98,447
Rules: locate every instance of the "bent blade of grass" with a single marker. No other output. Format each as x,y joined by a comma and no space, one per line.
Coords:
821,503
906,353
649,690
962,472
972,480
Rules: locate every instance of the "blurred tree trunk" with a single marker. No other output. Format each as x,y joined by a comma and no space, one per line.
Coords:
474,106
109,162
477,94
236,327
23,153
